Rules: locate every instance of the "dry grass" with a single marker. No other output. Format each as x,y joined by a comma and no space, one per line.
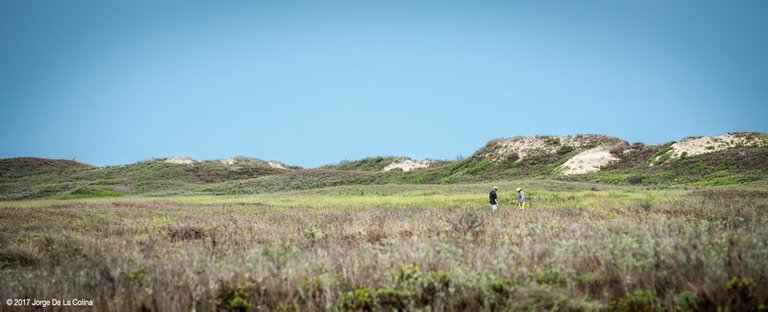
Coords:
397,249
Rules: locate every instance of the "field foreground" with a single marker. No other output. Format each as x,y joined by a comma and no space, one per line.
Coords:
578,247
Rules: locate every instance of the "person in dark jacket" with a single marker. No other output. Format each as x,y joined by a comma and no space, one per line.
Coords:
493,197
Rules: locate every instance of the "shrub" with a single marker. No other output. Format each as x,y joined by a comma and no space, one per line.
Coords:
512,157
741,293
564,150
91,191
646,205
634,180
434,286
288,307
551,277
312,286
618,150
396,299
661,159
499,286
362,298
183,233
740,286
440,278
12,256
236,298
239,303
687,300
496,292
137,276
591,277
406,273
552,141
314,234
640,300
468,222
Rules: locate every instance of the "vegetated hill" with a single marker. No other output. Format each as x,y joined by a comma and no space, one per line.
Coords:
524,156
28,177
735,158
385,164
39,179
13,168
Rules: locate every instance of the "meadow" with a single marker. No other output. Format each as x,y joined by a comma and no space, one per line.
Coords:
578,246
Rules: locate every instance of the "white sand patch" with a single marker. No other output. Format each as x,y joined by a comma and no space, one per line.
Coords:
228,161
524,146
590,160
277,165
406,165
180,160
704,145
241,160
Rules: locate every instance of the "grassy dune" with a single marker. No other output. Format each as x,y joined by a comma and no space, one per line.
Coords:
580,246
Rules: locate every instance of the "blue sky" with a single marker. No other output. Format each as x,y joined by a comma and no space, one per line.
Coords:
316,82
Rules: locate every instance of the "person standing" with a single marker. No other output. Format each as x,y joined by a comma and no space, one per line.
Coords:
520,198
493,197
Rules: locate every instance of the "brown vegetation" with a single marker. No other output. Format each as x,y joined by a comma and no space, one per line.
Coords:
576,250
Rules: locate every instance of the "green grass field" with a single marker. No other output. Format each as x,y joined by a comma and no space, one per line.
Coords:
579,246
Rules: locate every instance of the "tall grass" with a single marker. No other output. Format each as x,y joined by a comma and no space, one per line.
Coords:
394,247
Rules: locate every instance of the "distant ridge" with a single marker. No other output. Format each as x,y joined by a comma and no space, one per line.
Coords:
734,158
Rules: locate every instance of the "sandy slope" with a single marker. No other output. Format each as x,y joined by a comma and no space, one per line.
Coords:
524,146
407,165
590,160
703,145
181,160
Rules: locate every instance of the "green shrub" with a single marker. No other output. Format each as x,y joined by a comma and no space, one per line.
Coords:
288,307
741,286
565,149
661,159
496,293
646,205
239,303
499,286
91,191
362,298
236,298
137,276
406,273
314,234
591,278
687,300
552,141
440,278
640,300
551,277
314,285
634,180
741,293
396,299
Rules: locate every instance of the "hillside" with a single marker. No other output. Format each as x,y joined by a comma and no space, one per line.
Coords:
736,158
22,178
525,156
14,168
385,164
727,159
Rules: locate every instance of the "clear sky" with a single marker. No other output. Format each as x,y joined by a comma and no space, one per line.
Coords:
316,82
